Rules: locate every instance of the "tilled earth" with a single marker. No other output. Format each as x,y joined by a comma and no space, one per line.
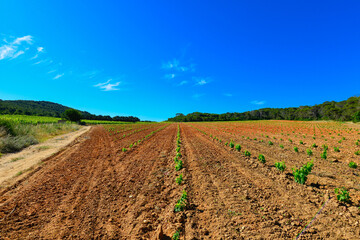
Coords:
93,190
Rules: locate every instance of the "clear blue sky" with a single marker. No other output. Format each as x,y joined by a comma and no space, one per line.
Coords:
153,59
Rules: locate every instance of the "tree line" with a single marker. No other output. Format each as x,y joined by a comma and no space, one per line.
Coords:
50,109
347,110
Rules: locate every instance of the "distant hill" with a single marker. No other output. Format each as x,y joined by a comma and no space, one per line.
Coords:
340,111
44,108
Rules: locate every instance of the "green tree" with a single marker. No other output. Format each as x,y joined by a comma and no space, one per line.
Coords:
356,117
72,115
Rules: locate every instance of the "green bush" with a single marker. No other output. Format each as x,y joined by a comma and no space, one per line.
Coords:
238,147
178,165
356,117
336,149
176,235
271,143
342,194
296,149
10,144
300,175
281,146
178,149
280,166
352,165
323,155
124,149
179,179
357,153
301,142
72,115
309,152
231,144
181,203
247,153
314,145
262,158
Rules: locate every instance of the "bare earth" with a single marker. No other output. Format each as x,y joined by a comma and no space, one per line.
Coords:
15,166
94,190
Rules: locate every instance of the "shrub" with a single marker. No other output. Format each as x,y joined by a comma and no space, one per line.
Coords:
247,153
325,147
314,145
178,155
290,141
10,144
281,146
336,149
323,155
238,147
342,194
72,115
226,143
352,165
179,179
124,149
178,165
176,235
271,143
356,117
357,153
309,152
178,149
262,158
296,149
181,203
300,175
231,144
301,142
280,166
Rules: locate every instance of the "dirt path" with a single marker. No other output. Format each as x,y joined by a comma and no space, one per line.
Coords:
14,166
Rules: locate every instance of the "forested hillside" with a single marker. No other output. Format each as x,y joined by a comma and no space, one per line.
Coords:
340,111
43,108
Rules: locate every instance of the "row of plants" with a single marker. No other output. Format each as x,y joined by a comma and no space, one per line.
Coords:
183,200
137,142
301,174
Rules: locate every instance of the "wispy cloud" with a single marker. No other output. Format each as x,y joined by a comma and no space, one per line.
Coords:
176,66
19,40
91,74
58,76
107,86
256,102
100,84
40,49
15,48
182,83
228,95
170,76
201,81
51,71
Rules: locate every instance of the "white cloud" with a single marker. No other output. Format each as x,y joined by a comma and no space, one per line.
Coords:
175,65
171,64
100,84
183,83
201,81
58,76
107,86
170,76
14,49
17,54
51,71
6,51
19,40
40,49
256,102
110,87
228,95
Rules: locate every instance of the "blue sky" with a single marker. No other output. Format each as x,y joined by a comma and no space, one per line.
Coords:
153,59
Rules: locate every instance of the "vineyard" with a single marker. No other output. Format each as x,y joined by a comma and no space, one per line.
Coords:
208,180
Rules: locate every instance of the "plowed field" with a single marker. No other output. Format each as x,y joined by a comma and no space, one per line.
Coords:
110,185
